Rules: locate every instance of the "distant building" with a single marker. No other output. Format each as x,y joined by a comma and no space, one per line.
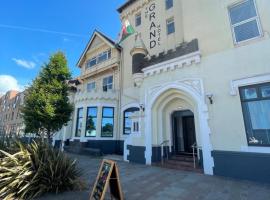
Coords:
11,122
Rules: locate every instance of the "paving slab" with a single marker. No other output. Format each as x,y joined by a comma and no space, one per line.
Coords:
141,182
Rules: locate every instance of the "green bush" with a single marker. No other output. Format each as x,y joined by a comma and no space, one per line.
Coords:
37,169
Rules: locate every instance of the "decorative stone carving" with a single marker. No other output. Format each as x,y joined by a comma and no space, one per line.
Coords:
173,64
194,84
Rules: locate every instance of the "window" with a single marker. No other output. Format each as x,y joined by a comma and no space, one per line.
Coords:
107,83
104,56
91,122
136,127
170,26
99,59
244,21
169,4
79,122
92,62
107,122
127,120
138,19
256,110
91,86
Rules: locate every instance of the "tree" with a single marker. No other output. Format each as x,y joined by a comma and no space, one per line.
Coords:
46,108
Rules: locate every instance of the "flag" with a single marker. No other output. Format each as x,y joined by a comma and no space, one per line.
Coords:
126,31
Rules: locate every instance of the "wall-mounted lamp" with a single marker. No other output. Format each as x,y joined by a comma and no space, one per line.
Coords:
142,107
210,97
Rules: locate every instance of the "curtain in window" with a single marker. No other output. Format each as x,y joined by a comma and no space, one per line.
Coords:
259,114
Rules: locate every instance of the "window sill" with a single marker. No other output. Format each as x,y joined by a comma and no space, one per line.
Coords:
250,41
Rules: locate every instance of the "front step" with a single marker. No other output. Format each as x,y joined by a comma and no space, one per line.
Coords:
179,162
182,158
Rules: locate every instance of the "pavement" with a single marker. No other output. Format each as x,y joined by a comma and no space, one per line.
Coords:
141,182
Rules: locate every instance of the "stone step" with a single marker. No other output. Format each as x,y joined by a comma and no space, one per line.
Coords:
182,158
179,163
181,167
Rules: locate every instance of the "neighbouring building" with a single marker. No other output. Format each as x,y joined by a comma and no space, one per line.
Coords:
193,80
11,122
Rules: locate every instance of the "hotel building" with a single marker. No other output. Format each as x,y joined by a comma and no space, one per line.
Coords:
194,80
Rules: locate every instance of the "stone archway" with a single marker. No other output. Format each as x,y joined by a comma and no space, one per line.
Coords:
188,93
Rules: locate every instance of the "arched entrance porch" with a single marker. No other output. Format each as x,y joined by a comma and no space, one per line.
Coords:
162,102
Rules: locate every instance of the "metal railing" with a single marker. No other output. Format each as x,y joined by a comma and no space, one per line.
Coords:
195,146
162,151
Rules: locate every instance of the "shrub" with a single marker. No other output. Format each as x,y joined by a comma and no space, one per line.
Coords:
8,144
37,169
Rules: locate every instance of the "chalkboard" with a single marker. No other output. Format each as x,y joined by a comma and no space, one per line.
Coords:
108,175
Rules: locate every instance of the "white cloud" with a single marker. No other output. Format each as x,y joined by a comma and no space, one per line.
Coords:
7,83
24,63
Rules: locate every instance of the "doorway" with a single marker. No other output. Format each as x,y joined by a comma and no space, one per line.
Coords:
184,134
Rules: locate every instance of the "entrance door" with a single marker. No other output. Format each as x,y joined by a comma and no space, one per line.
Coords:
188,133
184,135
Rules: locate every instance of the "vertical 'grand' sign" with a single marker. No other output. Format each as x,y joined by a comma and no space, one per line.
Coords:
154,29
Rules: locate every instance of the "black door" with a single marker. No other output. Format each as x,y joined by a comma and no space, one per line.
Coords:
188,133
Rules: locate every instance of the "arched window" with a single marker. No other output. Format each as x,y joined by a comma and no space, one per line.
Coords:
127,121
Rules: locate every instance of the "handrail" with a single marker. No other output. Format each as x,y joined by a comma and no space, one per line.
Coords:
162,150
194,146
164,142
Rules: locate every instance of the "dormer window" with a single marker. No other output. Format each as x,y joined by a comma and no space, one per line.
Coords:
106,55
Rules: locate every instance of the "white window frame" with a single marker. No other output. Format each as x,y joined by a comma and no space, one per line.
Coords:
90,60
166,5
257,18
107,77
108,56
169,21
91,89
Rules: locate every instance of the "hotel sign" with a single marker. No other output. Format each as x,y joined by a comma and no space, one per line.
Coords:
154,28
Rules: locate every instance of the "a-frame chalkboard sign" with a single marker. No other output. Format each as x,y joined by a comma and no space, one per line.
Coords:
108,175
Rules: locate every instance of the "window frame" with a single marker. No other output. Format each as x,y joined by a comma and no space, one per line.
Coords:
106,117
90,83
138,16
88,66
77,121
131,109
107,77
256,18
259,98
167,23
96,117
171,5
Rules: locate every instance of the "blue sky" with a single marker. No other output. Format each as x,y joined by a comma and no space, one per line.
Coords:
31,30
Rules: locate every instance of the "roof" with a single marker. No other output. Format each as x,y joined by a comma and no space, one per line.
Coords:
125,5
104,37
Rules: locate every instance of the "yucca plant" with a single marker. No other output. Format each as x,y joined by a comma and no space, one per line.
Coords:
37,169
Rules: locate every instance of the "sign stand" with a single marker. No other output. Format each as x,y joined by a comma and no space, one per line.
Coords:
108,175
